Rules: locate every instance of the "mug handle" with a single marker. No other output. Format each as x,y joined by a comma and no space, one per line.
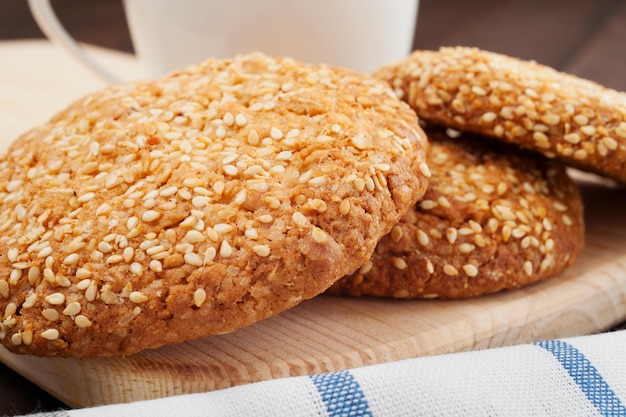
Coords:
49,24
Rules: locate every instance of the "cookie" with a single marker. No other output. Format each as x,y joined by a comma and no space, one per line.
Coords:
164,210
494,217
521,102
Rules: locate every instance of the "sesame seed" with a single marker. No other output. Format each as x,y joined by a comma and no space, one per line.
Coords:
72,308
13,185
155,266
451,234
114,259
344,207
240,120
55,299
82,321
150,216
383,167
479,91
86,197
528,268
450,270
199,297
253,170
200,201
16,338
137,297
261,250
209,254
366,267
572,138
253,137
507,112
551,119
466,247
359,142
276,133
489,117
12,254
184,247
299,219
223,228
581,119
50,314
4,288
359,184
169,191
402,293
506,232
230,170
71,259
14,276
229,119
44,252
429,266
609,142
428,204
194,236
317,181
76,244
225,249
10,309
546,224
192,258
128,254
220,132
423,167
396,233
136,269
399,263
588,130
105,247
470,270
319,235
201,191
422,237
50,334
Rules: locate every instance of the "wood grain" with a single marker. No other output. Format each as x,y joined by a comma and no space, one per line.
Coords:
326,333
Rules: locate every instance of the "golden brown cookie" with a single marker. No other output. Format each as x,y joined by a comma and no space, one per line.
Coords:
494,217
159,211
522,102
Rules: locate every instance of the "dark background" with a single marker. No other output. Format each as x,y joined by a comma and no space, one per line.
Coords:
583,37
571,35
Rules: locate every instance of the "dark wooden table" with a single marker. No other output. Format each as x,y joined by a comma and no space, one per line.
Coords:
586,38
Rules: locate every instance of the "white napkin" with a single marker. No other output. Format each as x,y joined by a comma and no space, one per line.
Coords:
582,376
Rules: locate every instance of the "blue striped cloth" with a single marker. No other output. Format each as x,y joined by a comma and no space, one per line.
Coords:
582,376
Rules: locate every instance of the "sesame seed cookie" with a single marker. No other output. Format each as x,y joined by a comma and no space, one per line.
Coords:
159,211
493,218
517,101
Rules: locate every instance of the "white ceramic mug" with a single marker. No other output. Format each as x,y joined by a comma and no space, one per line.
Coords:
169,34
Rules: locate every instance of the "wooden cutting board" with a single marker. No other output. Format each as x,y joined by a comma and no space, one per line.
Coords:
326,333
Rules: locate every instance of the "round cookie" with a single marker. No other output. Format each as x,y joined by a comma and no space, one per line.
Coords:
522,102
494,217
158,211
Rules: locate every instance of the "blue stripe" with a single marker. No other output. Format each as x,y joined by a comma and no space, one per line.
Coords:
341,394
586,376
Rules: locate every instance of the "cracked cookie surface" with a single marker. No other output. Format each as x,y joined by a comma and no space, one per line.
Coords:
494,217
159,211
517,101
